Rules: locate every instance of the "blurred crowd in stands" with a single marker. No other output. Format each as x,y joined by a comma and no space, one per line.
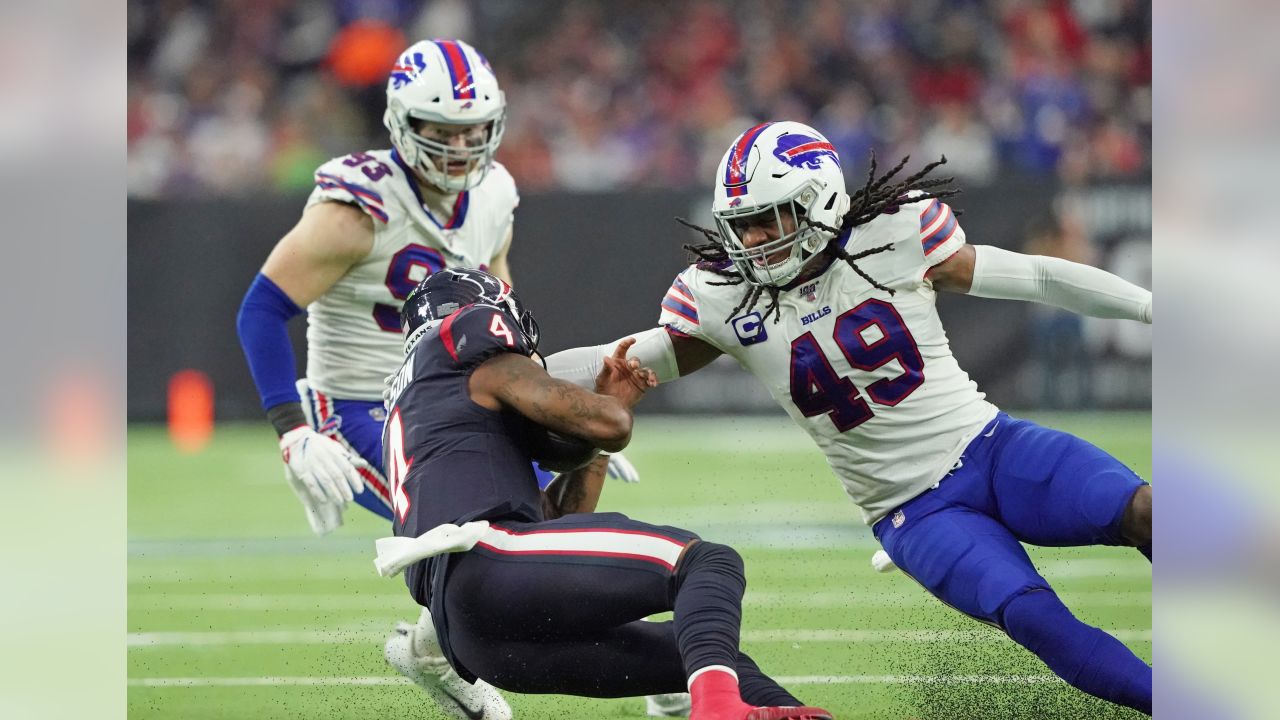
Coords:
242,97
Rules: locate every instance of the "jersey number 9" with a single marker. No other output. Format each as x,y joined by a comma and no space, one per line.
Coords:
402,279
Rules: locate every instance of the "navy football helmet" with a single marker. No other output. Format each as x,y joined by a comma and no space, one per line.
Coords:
447,291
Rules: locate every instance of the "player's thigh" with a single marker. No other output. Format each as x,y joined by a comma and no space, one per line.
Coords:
360,424
965,558
638,658
577,574
1053,488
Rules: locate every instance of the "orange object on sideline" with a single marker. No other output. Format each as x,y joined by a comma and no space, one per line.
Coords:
363,52
190,410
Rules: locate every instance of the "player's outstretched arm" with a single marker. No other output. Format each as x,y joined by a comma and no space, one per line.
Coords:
669,356
986,271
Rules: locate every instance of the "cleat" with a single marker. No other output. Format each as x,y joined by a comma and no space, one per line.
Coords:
715,697
780,713
669,705
743,711
414,652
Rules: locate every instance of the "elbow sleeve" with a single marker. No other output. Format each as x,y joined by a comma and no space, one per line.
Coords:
1079,288
580,366
262,325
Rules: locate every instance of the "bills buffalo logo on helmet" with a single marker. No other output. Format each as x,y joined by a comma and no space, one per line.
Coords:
406,69
799,150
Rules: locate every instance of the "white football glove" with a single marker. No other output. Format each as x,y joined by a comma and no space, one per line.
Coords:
324,516
882,562
322,465
620,468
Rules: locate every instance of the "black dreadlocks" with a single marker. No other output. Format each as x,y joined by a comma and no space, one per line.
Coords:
875,197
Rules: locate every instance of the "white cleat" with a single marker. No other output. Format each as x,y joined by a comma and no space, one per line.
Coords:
670,705
414,651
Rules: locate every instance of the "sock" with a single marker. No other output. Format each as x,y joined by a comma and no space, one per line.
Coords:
1084,656
1145,550
708,606
759,689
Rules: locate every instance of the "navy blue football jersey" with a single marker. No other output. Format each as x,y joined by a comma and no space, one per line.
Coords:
448,459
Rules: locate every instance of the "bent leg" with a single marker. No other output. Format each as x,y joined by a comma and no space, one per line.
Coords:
1054,489
1084,656
556,606
974,564
358,425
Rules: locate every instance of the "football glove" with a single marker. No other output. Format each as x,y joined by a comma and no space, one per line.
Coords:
620,468
322,465
882,562
324,516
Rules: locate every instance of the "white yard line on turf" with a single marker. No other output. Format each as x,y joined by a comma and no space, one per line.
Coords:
194,682
339,637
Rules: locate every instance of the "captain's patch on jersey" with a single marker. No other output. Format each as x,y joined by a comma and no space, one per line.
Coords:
750,329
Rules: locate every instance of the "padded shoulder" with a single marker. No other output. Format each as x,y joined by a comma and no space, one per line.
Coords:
476,333
359,179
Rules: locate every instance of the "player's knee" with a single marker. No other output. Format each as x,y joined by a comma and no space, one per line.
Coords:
1136,526
701,556
1031,618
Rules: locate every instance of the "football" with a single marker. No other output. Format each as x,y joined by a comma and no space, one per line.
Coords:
558,452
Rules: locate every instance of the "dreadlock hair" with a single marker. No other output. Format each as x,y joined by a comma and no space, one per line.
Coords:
877,196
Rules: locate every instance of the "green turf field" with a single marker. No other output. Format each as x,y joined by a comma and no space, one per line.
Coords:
236,611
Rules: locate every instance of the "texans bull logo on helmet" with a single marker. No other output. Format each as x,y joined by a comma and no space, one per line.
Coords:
803,151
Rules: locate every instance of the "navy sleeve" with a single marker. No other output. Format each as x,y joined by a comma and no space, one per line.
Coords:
478,332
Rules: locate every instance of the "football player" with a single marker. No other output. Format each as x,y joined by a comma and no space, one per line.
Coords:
376,224
828,299
529,589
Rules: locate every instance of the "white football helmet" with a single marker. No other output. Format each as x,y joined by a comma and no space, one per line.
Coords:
444,81
769,168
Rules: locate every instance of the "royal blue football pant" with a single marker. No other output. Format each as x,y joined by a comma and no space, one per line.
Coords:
1021,482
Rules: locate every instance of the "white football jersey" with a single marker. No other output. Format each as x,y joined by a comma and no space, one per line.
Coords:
868,375
353,330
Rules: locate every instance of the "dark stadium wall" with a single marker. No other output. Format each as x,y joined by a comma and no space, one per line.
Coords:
592,267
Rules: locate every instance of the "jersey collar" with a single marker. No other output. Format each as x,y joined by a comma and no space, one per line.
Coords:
460,205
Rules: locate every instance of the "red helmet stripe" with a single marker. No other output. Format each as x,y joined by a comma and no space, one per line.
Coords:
464,86
735,171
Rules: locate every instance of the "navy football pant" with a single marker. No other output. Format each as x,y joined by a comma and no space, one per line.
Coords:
558,607
1021,482
358,424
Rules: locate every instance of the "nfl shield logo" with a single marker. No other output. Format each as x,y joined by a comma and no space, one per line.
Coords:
898,519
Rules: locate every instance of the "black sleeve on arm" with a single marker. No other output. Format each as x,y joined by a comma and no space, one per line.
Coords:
286,416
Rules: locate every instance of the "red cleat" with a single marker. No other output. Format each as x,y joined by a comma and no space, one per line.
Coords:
743,711
715,697
782,713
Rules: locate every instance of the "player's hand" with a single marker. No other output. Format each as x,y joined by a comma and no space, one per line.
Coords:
624,378
324,516
323,466
620,468
386,391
